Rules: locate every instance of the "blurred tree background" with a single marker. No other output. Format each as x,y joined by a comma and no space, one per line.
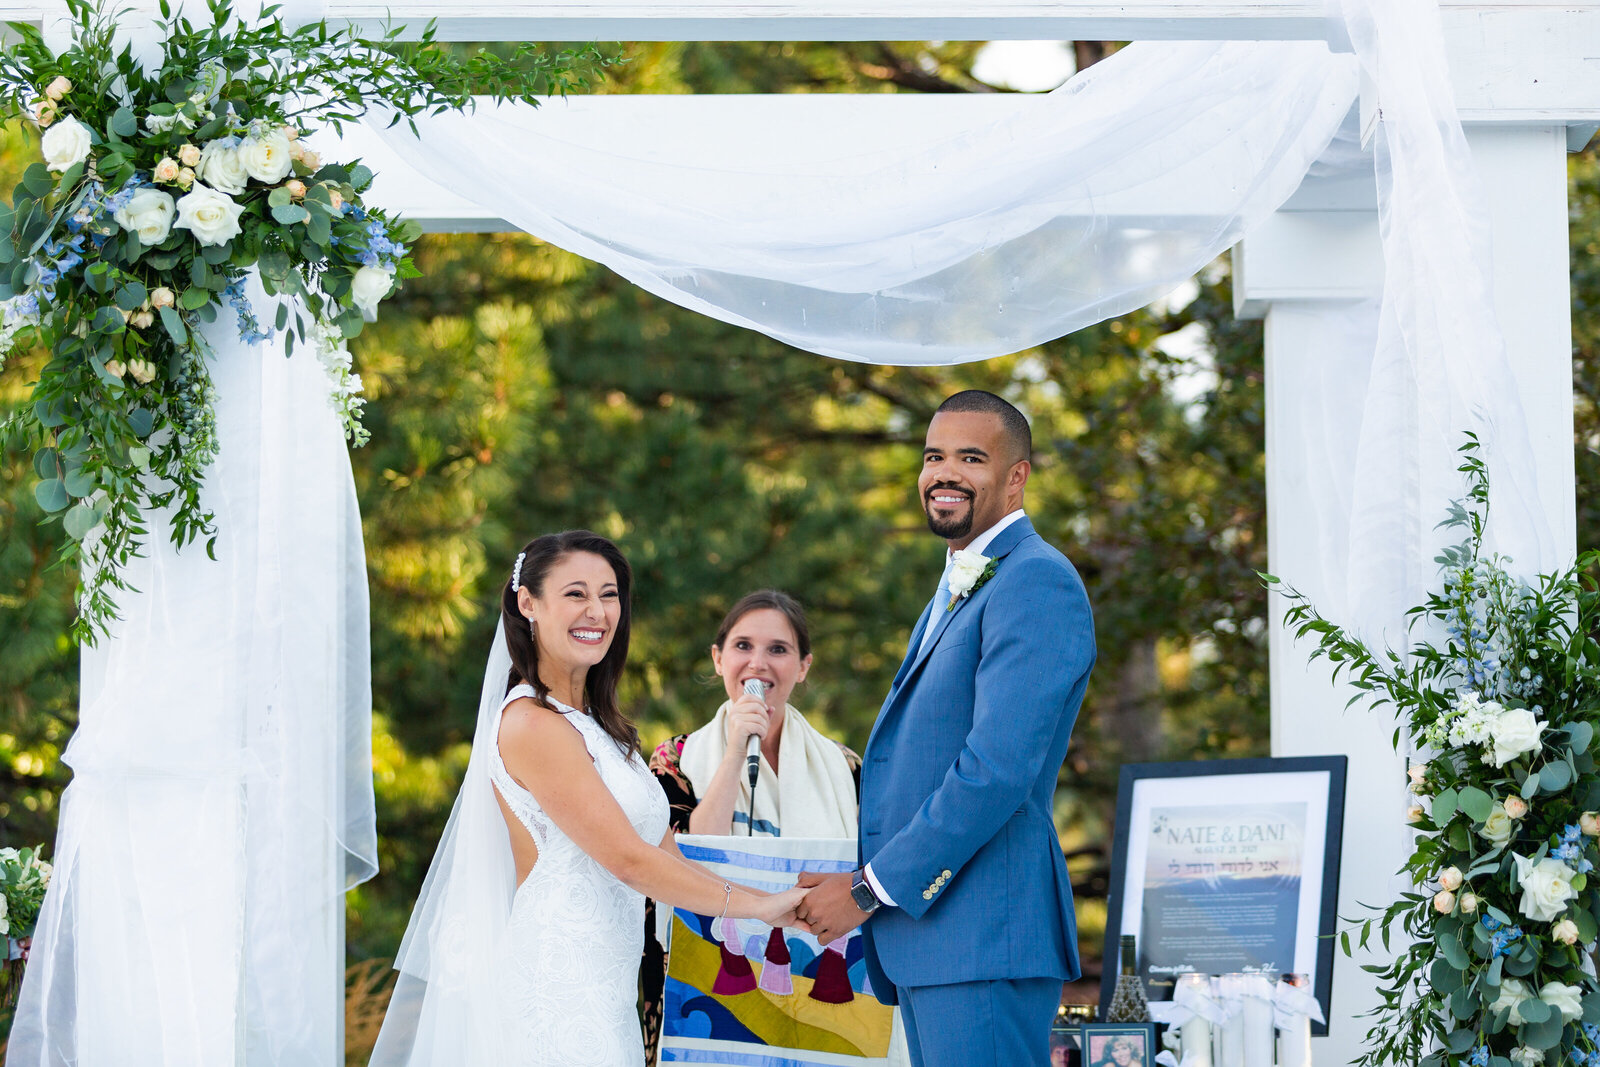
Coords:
516,389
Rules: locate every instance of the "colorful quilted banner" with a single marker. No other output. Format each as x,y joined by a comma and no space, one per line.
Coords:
744,994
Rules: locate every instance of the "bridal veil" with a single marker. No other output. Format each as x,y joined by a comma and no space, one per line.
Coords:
446,1009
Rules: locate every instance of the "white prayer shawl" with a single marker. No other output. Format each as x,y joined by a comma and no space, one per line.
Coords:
815,796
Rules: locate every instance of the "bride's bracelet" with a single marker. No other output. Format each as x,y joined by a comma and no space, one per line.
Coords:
727,894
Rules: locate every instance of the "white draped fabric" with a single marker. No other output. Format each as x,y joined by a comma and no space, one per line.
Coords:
1440,366
221,798
958,233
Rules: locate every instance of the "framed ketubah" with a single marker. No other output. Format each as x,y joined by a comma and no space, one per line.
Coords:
1226,866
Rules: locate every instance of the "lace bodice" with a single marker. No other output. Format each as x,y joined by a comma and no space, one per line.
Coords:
575,935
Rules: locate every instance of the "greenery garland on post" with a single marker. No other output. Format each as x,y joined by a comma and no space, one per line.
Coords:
160,189
1502,709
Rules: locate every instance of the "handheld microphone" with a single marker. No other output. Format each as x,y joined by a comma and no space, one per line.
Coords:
753,687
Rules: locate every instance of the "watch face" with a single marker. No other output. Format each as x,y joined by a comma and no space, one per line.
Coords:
861,893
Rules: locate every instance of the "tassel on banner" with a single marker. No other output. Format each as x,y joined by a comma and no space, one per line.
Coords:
832,984
775,974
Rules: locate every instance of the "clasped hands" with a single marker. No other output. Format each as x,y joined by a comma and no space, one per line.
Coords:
827,909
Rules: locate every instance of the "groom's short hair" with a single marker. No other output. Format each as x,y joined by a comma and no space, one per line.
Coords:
1014,422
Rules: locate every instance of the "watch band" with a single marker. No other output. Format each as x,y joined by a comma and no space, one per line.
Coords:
861,892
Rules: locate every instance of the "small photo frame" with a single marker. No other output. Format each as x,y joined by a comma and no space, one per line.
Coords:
1066,1044
1118,1044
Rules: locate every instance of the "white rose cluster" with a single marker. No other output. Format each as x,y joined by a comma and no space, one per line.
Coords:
148,213
212,216
65,144
966,567
1505,733
1546,887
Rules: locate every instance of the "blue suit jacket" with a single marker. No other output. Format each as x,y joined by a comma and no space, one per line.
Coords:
959,775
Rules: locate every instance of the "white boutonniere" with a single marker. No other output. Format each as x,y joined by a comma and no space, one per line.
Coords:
968,571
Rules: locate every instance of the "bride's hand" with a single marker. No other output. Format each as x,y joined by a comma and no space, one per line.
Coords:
778,909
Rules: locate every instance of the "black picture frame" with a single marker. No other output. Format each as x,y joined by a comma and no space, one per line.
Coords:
1095,1040
1227,790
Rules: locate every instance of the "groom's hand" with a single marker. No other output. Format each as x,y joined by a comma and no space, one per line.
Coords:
828,910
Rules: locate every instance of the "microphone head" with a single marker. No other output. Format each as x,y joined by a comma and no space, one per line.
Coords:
754,687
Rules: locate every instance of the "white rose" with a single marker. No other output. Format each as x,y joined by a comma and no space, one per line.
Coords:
59,87
1512,993
266,158
1497,828
966,567
1565,931
5,924
222,169
1450,878
1567,999
65,145
211,216
1515,806
115,368
1469,903
370,285
143,371
1414,813
1589,823
1444,902
1546,887
45,871
1514,731
149,214
1527,1056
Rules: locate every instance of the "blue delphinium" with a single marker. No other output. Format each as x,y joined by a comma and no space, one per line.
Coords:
1479,1057
250,331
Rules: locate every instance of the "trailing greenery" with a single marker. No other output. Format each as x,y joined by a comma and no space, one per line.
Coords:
163,183
1501,696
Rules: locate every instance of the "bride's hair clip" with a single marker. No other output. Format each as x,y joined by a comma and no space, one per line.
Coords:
516,572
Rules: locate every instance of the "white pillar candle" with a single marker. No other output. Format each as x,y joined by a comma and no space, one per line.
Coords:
1194,991
1259,1033
1294,1039
1230,1035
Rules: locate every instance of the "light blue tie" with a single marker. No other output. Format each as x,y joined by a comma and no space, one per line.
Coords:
941,600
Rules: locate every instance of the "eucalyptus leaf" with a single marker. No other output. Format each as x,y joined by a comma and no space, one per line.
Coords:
1444,978
1476,803
195,298
46,463
1544,1034
1462,1005
1530,787
1581,734
142,421
1555,777
174,324
1533,1010
80,483
122,123
1459,1041
131,295
1454,951
80,520
38,181
52,495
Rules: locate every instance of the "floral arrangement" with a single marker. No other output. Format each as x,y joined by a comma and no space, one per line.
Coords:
24,876
1501,704
162,185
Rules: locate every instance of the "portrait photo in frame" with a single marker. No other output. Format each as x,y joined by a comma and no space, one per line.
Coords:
1118,1044
1226,866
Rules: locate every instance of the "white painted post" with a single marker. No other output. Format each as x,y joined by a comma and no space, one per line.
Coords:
1306,272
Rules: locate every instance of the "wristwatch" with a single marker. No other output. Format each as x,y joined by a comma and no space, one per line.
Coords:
861,892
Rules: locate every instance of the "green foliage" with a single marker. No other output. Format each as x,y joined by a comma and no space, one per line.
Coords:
121,419
1501,688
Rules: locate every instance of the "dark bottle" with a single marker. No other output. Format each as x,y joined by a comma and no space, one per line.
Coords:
1128,1003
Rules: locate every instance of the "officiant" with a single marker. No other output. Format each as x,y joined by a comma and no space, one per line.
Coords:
808,784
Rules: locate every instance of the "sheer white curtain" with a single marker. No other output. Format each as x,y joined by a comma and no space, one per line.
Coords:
962,230
221,798
1439,366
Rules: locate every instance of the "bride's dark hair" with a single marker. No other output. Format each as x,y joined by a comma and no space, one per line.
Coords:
538,557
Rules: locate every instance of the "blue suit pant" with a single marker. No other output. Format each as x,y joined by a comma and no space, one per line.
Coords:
1003,1023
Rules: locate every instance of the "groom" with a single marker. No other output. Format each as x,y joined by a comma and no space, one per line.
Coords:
963,889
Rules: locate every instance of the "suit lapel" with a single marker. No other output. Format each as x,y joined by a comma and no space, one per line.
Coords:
936,616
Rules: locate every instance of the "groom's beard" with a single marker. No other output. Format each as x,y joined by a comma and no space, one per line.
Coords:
949,529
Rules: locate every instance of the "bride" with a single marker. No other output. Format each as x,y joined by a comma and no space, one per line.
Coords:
524,947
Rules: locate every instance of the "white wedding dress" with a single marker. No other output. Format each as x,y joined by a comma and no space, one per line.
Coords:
570,967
